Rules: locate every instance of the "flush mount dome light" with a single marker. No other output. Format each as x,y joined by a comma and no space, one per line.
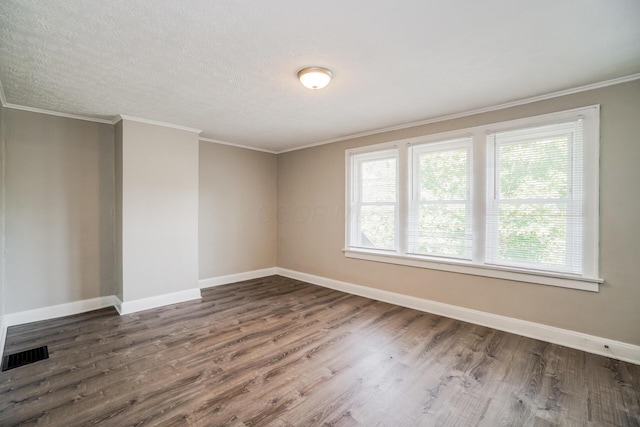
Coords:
315,77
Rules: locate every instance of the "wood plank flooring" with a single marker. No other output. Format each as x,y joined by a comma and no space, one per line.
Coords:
276,351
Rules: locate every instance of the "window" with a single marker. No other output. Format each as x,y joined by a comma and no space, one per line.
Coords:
440,211
534,203
375,201
515,200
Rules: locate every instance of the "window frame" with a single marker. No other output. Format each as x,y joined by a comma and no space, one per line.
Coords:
477,266
355,202
494,199
414,187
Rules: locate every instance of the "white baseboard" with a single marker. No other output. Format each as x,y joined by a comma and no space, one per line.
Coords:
59,310
128,307
589,343
117,304
51,312
3,336
82,306
239,277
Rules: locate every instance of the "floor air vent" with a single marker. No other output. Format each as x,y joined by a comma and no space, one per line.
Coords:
26,357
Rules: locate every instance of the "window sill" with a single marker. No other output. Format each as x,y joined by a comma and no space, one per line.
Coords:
564,281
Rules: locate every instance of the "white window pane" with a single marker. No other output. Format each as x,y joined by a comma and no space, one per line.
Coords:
443,175
533,234
374,200
444,229
377,226
440,223
378,179
535,169
534,218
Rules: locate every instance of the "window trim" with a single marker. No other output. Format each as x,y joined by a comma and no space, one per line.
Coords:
589,281
353,201
576,173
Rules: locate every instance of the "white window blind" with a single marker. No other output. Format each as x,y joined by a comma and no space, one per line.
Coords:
440,221
374,200
535,198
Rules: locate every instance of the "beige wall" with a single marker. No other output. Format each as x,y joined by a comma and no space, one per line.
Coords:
237,231
58,213
66,183
311,226
159,210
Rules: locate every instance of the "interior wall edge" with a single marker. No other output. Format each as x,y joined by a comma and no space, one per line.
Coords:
3,336
3,192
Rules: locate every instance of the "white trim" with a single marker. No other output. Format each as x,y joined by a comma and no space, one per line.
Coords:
580,341
117,304
246,147
153,122
523,101
437,119
60,310
505,125
238,277
3,100
577,340
58,114
3,336
82,306
128,307
3,190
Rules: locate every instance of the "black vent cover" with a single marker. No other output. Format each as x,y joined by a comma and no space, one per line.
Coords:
26,357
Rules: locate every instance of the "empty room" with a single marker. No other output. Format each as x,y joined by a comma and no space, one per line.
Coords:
348,213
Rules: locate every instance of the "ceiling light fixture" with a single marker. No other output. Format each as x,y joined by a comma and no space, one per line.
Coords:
315,77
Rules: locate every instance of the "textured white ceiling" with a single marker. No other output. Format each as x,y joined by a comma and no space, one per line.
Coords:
229,67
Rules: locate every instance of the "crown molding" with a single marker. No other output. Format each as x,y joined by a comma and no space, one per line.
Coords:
57,114
247,147
153,122
523,101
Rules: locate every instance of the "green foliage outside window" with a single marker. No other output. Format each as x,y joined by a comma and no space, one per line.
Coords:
530,172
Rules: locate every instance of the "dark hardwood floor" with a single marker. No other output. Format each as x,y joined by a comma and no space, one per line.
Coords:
276,351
